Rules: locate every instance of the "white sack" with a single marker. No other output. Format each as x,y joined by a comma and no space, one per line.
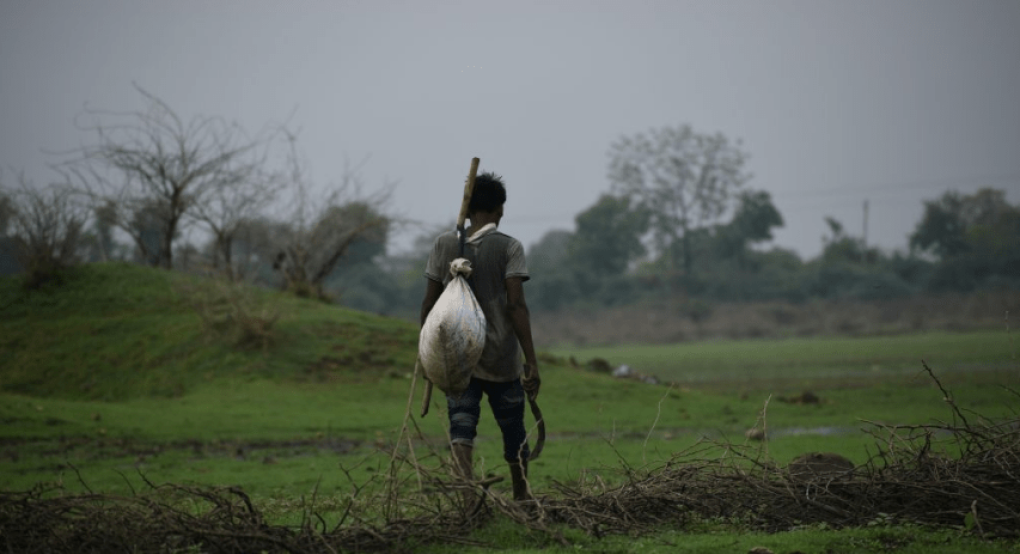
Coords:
452,338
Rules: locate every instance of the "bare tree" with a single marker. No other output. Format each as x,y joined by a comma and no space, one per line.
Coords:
6,212
46,224
105,220
231,203
254,248
684,179
322,227
154,166
9,264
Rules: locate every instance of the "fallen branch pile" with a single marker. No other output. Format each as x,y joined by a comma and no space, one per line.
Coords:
958,474
176,518
906,483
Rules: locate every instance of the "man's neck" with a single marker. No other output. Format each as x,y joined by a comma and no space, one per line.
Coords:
481,220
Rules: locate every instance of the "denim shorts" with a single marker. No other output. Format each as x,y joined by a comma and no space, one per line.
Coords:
507,403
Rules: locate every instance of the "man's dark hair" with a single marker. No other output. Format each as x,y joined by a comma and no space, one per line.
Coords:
489,194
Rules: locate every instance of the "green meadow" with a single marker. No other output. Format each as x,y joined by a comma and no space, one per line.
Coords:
111,380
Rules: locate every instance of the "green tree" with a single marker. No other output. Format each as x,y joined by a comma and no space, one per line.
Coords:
684,179
975,237
849,269
728,265
408,273
311,252
608,237
752,223
554,282
942,230
956,224
838,246
756,216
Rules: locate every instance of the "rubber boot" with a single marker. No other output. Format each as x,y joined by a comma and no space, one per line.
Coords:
464,468
518,475
462,463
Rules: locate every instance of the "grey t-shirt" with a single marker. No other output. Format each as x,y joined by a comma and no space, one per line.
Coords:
494,257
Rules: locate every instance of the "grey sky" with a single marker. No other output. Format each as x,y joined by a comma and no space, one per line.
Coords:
837,102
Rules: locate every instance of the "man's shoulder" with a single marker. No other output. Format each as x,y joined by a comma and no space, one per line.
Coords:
503,236
446,238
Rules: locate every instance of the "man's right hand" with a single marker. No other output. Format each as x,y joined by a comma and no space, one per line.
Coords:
531,381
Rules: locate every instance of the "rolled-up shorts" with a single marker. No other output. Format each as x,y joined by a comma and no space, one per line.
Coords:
507,403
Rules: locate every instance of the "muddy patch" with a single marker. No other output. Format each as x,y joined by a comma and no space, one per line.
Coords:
91,449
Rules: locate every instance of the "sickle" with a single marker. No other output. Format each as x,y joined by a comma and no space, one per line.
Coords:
537,413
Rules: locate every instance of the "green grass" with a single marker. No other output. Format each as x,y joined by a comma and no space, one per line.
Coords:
763,362
281,441
111,379
725,539
117,331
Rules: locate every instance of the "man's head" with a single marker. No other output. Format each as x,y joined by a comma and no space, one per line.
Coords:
489,194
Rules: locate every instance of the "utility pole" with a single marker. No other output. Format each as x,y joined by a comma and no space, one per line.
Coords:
865,239
864,236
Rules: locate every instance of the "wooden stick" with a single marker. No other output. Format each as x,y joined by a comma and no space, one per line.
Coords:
465,203
469,189
426,395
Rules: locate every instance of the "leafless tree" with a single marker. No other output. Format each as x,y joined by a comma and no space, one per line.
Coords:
231,203
154,166
6,212
323,226
46,224
683,178
105,216
254,247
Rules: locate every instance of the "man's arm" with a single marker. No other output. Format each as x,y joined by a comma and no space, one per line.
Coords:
432,292
520,320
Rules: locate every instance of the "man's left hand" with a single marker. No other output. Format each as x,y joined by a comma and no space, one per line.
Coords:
531,381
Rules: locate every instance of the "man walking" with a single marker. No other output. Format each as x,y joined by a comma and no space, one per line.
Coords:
499,272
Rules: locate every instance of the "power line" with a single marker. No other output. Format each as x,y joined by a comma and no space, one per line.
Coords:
926,184
532,220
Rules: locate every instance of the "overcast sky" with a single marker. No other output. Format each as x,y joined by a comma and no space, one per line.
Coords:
837,102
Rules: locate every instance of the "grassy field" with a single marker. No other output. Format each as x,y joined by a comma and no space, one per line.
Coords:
112,380
768,363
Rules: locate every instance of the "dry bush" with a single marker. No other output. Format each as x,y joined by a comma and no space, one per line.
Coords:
47,226
235,312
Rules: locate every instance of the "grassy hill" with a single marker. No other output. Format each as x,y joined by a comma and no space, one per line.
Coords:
114,331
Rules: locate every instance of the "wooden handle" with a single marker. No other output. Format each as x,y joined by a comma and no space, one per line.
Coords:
469,189
426,398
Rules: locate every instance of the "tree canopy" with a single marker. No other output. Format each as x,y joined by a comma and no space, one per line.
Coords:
684,179
608,236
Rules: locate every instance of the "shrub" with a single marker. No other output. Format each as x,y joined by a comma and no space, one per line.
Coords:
233,311
46,229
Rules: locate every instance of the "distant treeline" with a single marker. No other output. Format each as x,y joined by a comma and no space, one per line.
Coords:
963,243
677,224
